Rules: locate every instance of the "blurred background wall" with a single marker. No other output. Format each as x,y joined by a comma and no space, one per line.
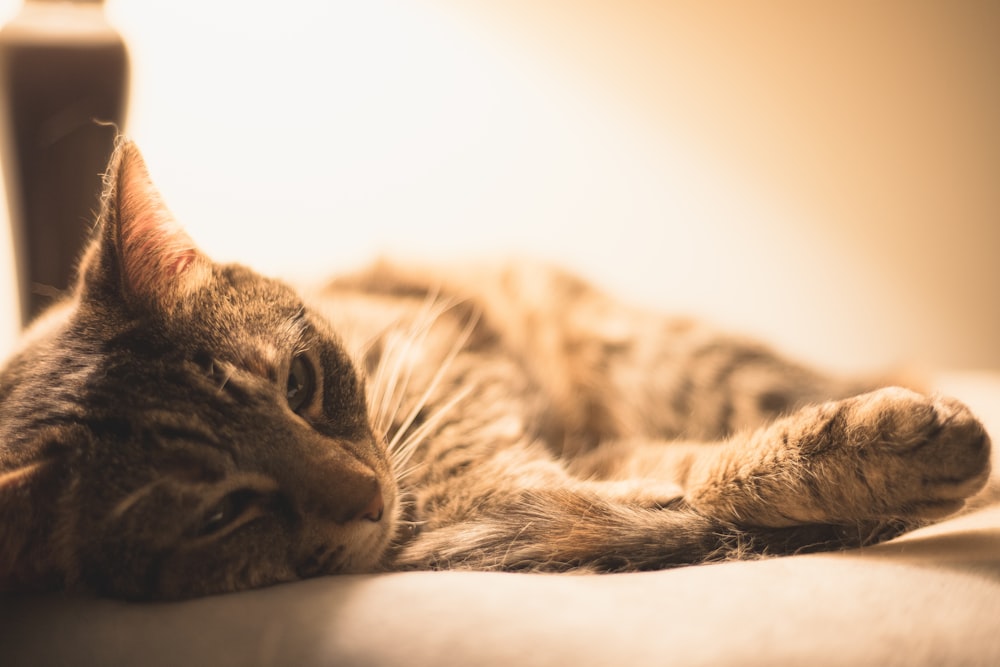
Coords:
822,174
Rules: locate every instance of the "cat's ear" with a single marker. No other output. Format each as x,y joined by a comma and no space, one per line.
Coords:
140,252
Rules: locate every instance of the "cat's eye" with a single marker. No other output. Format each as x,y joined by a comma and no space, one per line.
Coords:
233,506
301,383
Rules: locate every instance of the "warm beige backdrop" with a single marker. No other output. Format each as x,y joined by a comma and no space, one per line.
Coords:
878,121
824,174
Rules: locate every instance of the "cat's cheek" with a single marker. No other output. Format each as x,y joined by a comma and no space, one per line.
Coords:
252,558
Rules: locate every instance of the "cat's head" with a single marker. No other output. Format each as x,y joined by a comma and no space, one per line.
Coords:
179,427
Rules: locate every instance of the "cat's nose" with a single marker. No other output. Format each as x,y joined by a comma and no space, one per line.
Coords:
358,500
375,507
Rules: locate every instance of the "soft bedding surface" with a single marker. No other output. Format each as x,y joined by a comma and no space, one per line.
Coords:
931,597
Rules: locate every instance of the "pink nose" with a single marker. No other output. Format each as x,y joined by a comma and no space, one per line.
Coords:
373,510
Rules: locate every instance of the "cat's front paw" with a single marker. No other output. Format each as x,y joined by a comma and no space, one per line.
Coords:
891,454
917,456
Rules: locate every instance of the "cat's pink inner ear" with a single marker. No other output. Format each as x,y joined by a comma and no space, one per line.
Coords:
158,258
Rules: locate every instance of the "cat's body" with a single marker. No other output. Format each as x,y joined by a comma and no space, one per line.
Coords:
180,428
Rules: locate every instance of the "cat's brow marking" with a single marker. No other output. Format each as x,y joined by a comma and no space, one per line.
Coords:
129,501
14,476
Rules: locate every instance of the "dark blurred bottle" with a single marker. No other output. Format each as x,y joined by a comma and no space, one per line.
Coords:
63,83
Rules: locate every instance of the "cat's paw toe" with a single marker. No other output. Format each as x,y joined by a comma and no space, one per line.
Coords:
956,458
940,450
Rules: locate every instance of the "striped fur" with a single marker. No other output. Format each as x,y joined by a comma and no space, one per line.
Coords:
179,427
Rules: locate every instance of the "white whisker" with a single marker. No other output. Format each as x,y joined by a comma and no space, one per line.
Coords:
225,381
403,451
406,498
460,342
403,474
415,337
390,387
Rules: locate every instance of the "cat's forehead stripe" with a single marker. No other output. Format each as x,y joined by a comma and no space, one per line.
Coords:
263,359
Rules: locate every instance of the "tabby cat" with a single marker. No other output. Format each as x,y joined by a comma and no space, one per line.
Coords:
178,427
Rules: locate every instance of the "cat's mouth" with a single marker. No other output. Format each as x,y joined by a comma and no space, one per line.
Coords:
368,537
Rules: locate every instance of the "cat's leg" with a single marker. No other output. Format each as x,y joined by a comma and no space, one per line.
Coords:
891,454
531,520
567,526
839,474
